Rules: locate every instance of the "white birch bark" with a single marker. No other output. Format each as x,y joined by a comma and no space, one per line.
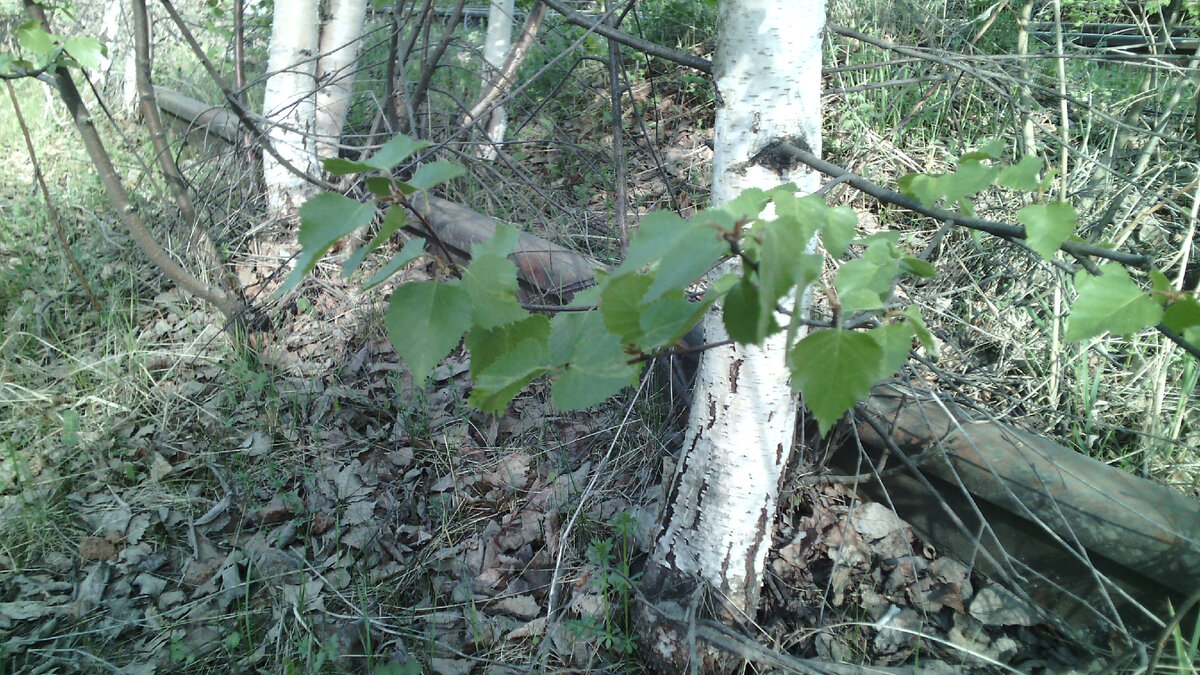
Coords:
720,509
495,52
341,39
289,105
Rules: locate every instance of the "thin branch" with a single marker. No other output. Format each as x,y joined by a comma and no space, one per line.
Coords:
228,305
53,212
993,227
602,29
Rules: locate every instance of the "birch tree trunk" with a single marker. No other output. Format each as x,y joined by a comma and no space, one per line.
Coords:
341,39
719,511
495,52
289,104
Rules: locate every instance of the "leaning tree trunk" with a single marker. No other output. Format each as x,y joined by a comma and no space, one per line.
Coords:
289,105
719,511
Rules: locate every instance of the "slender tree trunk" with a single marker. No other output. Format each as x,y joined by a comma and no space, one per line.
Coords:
289,105
495,51
341,39
719,512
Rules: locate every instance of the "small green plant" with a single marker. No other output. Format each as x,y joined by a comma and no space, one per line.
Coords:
613,581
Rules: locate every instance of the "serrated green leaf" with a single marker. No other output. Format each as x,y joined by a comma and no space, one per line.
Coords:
895,341
838,230
1182,314
434,174
88,51
834,369
741,313
412,250
970,178
922,331
785,261
657,235
393,220
486,345
491,283
1110,303
621,305
865,283
921,187
669,318
594,363
992,149
495,387
917,267
34,38
324,219
339,166
1023,175
1047,226
425,320
380,186
1163,288
397,150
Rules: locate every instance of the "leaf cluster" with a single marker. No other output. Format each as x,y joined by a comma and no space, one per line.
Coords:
645,306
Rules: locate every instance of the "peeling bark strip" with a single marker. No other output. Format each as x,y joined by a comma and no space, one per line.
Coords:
716,529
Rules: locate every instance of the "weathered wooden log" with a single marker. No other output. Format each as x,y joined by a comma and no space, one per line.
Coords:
1074,532
200,117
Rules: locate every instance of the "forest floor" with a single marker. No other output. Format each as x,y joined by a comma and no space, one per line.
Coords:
173,498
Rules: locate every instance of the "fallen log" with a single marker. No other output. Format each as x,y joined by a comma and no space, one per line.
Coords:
1100,548
546,269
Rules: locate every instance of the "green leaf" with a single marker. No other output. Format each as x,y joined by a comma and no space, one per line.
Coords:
491,280
922,331
992,149
1023,175
595,365
895,341
686,248
435,173
834,369
1110,303
505,377
425,320
917,267
785,261
1047,226
88,51
412,250
838,231
971,177
324,219
621,305
865,283
34,39
393,220
1163,288
666,320
1182,315
921,187
489,344
380,186
397,150
385,158
742,313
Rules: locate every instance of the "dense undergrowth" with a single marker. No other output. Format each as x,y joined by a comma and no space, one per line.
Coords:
177,496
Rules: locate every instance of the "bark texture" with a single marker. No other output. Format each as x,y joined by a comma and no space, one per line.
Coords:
341,39
289,105
719,511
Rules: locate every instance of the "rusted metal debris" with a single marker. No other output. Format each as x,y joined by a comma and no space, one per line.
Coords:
1087,541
